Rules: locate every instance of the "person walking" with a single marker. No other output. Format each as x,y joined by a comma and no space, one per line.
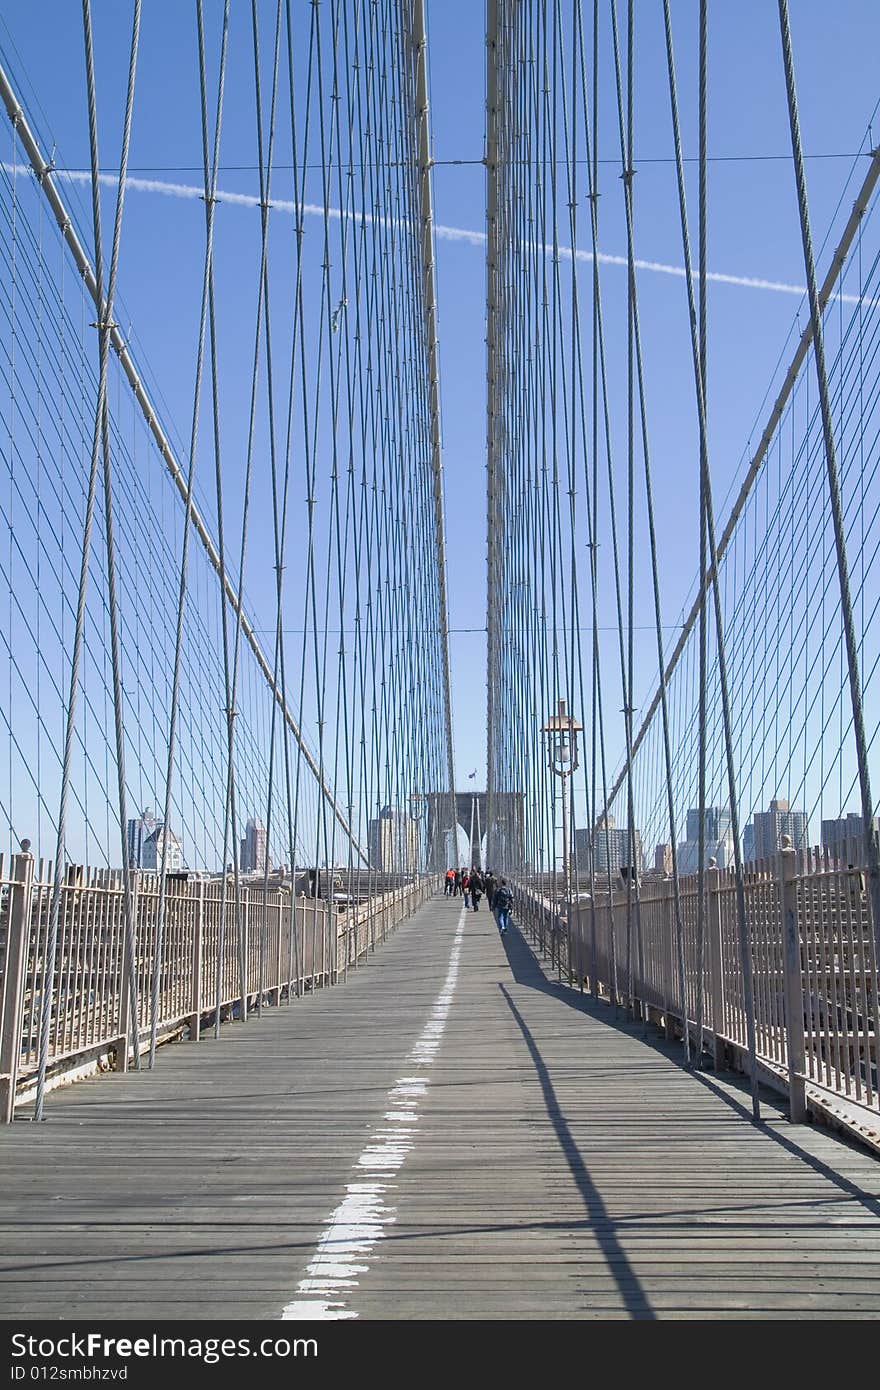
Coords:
466,887
456,879
503,901
490,883
476,888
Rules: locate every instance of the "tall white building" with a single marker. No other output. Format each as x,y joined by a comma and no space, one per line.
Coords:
154,848
393,842
254,848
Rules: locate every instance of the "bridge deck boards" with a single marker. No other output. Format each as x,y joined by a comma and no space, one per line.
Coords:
562,1166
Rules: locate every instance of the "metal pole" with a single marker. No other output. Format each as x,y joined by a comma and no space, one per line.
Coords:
15,954
566,877
794,983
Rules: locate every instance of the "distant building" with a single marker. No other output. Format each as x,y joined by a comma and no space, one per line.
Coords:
609,846
582,851
393,842
768,828
749,843
717,841
154,848
717,824
136,833
838,836
689,855
663,859
254,848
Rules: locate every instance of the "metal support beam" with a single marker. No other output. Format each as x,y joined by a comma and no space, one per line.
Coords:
491,162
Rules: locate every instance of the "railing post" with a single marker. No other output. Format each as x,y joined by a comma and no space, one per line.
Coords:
334,962
671,980
195,1018
716,961
18,921
794,985
314,951
129,968
665,957
246,951
279,918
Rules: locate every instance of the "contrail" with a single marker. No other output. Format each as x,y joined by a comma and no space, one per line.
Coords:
191,191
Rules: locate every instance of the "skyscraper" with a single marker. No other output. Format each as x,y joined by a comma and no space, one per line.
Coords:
609,846
717,823
153,849
137,833
749,843
393,842
771,825
717,843
844,836
254,849
663,859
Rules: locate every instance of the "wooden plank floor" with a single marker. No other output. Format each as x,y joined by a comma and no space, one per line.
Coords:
449,1134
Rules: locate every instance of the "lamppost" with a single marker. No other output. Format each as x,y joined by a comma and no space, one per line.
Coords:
562,730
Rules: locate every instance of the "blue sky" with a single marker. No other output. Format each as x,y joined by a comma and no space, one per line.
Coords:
753,233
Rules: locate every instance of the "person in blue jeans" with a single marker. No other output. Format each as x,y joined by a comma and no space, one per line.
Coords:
502,902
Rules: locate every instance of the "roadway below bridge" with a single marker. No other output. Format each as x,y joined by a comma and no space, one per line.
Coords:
448,1134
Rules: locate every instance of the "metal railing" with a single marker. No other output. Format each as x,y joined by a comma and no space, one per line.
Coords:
814,968
290,945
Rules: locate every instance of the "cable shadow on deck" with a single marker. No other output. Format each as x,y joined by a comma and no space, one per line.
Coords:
527,971
617,1261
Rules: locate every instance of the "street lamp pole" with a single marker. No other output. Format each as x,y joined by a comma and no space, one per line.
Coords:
562,730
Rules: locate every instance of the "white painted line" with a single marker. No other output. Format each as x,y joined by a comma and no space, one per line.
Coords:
359,1221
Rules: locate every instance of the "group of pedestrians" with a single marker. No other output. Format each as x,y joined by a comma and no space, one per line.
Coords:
473,885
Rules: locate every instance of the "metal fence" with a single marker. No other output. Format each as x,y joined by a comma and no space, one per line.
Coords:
287,945
814,967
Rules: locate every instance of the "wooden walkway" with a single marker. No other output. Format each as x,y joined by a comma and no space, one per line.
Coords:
449,1134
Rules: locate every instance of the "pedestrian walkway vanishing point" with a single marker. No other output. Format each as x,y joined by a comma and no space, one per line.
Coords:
450,1134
